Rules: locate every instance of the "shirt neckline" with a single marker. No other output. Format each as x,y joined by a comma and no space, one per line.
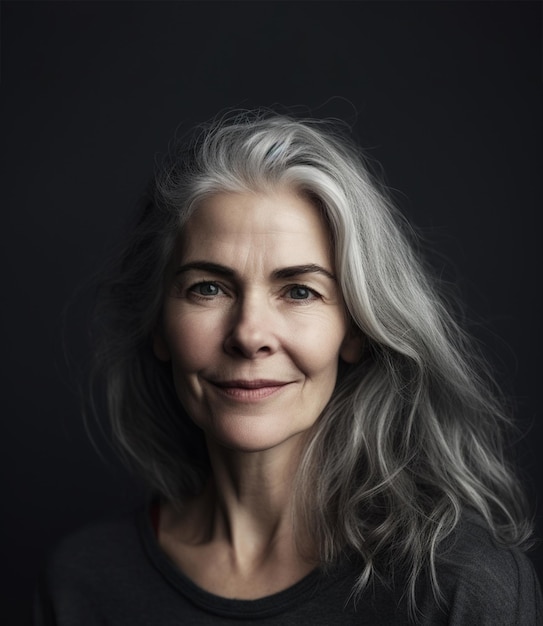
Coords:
267,606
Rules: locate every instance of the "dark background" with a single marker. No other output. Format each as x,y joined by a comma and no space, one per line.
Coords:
446,96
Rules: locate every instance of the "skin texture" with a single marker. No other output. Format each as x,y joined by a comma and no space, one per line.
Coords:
254,347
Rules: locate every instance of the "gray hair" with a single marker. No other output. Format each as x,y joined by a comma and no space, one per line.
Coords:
413,433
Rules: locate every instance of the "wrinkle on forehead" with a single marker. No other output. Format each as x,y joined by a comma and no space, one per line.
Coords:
254,231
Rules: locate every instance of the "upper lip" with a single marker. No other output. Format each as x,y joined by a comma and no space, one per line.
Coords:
249,384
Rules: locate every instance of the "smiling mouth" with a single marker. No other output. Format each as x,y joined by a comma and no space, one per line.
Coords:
249,390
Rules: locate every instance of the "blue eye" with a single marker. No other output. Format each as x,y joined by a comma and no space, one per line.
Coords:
206,289
299,292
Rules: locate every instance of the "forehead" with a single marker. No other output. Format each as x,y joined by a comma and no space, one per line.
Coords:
281,223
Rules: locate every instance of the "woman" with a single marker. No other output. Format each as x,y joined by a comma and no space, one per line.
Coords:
320,442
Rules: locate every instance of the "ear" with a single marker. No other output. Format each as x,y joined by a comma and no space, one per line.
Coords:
352,346
160,346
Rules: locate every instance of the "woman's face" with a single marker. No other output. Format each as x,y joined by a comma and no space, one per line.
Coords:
254,323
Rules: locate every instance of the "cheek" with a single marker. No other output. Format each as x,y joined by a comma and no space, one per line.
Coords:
319,347
192,339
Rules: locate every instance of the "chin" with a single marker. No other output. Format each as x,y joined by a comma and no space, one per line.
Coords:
253,438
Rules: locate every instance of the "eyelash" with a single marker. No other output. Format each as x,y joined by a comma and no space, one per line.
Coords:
192,289
313,295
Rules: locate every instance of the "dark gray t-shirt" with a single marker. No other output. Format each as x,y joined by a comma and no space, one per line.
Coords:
115,574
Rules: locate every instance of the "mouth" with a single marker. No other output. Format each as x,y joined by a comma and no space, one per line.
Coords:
249,390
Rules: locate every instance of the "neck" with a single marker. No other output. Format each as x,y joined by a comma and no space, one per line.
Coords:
247,505
252,493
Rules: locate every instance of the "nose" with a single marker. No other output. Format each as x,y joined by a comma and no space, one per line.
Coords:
253,330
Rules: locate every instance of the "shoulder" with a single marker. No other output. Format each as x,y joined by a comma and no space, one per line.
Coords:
486,583
91,547
88,570
92,559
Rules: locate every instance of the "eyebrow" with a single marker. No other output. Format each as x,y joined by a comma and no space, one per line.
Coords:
298,270
206,266
285,272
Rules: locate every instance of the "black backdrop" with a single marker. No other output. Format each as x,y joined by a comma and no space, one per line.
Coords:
446,96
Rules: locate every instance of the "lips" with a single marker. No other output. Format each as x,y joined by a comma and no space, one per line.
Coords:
249,390
248,384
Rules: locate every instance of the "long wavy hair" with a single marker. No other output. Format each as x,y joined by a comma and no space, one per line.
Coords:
414,432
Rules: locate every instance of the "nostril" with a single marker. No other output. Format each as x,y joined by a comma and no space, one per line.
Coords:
252,332
249,343
246,350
